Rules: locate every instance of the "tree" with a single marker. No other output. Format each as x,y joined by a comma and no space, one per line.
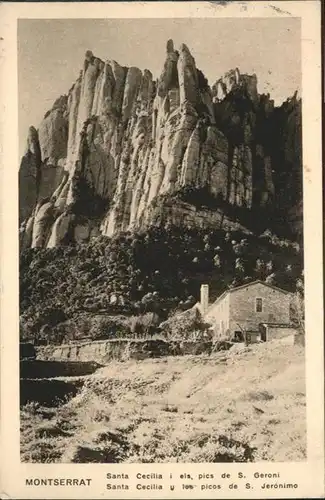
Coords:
269,266
239,266
298,305
216,261
270,279
149,301
260,268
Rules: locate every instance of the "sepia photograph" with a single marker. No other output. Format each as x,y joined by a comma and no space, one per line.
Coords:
161,241
161,254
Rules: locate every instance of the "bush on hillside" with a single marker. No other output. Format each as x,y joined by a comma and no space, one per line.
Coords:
297,306
187,325
152,272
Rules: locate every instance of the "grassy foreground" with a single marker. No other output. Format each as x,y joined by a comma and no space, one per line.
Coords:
246,404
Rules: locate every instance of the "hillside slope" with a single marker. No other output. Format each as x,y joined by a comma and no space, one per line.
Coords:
246,404
158,271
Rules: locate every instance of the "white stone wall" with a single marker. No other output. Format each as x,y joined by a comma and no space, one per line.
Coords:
279,332
218,316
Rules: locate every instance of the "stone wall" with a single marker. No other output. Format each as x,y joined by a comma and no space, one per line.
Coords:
276,307
104,351
279,332
218,316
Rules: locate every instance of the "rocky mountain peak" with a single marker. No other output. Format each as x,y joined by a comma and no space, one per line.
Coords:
122,152
170,46
32,145
233,81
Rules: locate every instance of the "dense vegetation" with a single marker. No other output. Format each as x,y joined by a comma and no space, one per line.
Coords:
80,288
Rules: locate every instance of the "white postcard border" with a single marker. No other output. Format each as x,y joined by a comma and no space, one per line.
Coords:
310,474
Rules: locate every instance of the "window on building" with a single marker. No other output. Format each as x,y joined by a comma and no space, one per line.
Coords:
258,305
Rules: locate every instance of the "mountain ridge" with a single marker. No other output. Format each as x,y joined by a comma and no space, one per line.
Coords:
114,153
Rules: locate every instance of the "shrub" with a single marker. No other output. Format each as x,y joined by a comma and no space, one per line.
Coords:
105,327
186,325
151,272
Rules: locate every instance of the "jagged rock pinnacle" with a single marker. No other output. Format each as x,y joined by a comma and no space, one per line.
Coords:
142,141
170,46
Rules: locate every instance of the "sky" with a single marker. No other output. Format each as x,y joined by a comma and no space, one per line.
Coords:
51,53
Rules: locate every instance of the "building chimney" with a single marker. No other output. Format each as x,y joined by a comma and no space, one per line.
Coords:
204,298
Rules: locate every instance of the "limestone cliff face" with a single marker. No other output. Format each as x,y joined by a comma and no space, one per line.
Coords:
122,151
29,175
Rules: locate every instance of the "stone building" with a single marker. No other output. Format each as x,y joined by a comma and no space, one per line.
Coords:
257,310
